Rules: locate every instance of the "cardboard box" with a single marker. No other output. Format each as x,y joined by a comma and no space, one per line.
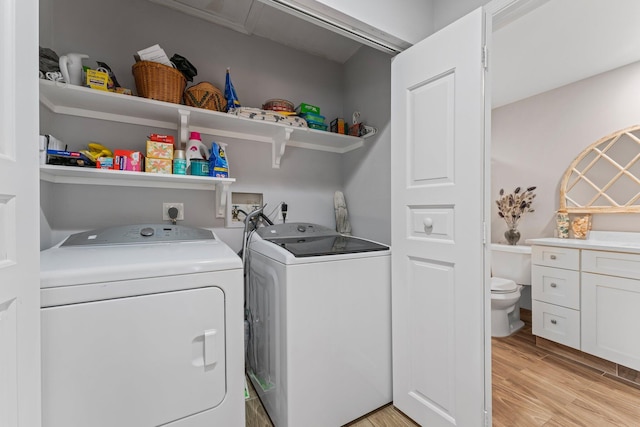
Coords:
161,138
68,158
104,163
159,150
97,80
128,160
338,126
158,165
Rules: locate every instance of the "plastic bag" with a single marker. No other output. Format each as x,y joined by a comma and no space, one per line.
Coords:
184,66
49,60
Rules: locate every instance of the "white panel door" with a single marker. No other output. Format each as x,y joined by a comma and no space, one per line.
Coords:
438,163
19,215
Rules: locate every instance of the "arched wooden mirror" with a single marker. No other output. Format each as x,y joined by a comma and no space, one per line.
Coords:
604,177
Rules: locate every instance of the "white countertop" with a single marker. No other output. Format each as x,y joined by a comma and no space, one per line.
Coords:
615,241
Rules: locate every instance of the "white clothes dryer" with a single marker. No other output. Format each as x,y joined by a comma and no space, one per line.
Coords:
319,315
142,325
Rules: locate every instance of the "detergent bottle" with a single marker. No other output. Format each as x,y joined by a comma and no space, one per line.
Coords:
195,149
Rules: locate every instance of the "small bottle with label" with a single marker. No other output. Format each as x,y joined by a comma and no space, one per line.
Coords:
179,162
562,224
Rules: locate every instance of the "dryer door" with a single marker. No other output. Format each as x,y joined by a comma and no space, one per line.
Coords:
137,361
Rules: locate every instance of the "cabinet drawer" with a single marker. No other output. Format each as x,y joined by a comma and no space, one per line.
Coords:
555,323
556,286
611,263
551,256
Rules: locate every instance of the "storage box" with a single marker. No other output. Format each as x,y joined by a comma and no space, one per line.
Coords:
68,158
97,80
161,138
307,108
158,165
338,126
317,126
159,150
128,160
356,130
312,117
104,163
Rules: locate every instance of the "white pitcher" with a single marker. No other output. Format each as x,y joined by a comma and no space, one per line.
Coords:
71,67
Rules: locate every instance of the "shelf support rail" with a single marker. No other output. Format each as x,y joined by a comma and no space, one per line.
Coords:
183,127
222,190
279,145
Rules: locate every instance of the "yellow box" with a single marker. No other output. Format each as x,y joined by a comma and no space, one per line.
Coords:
159,150
158,165
97,80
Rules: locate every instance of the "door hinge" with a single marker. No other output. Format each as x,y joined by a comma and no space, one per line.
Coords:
485,57
486,419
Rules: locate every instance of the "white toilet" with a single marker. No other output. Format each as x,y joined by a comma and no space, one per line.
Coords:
510,271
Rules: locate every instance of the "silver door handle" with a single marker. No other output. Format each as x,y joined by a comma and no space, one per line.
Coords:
554,321
553,285
552,257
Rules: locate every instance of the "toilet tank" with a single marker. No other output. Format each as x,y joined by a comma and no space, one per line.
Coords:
511,262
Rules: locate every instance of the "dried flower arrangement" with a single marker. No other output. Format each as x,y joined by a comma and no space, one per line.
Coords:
511,207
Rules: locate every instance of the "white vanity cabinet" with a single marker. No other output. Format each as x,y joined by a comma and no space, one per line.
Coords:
611,306
555,294
586,294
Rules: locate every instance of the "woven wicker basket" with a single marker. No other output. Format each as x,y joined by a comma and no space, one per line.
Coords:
158,81
205,95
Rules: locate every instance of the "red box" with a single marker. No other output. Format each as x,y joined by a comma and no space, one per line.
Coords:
161,138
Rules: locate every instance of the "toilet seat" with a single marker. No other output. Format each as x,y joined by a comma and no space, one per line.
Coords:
503,286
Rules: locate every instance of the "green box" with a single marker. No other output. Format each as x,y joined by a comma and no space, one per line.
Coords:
307,108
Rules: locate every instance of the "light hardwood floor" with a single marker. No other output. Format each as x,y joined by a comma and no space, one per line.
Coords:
532,387
387,416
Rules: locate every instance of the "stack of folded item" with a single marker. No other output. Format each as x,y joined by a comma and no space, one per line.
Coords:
268,116
311,114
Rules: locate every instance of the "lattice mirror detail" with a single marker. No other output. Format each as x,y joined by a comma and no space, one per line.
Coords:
604,177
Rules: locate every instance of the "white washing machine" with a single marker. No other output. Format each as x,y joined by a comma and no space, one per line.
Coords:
142,326
319,315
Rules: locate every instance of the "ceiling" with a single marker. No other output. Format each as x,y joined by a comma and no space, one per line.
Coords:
537,46
256,17
560,42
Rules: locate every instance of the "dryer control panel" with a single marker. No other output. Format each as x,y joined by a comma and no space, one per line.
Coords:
138,234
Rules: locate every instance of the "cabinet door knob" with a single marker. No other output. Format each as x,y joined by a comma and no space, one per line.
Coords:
554,321
552,257
553,285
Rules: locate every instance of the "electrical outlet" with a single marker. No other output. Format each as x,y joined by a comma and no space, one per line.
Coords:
165,211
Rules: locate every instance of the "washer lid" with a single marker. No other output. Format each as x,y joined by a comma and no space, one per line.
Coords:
311,240
79,265
502,286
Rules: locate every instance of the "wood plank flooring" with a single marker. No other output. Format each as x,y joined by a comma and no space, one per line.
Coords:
532,387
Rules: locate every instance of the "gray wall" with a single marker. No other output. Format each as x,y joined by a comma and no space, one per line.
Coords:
535,140
260,70
447,11
367,173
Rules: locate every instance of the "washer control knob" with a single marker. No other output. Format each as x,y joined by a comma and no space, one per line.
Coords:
302,228
147,232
